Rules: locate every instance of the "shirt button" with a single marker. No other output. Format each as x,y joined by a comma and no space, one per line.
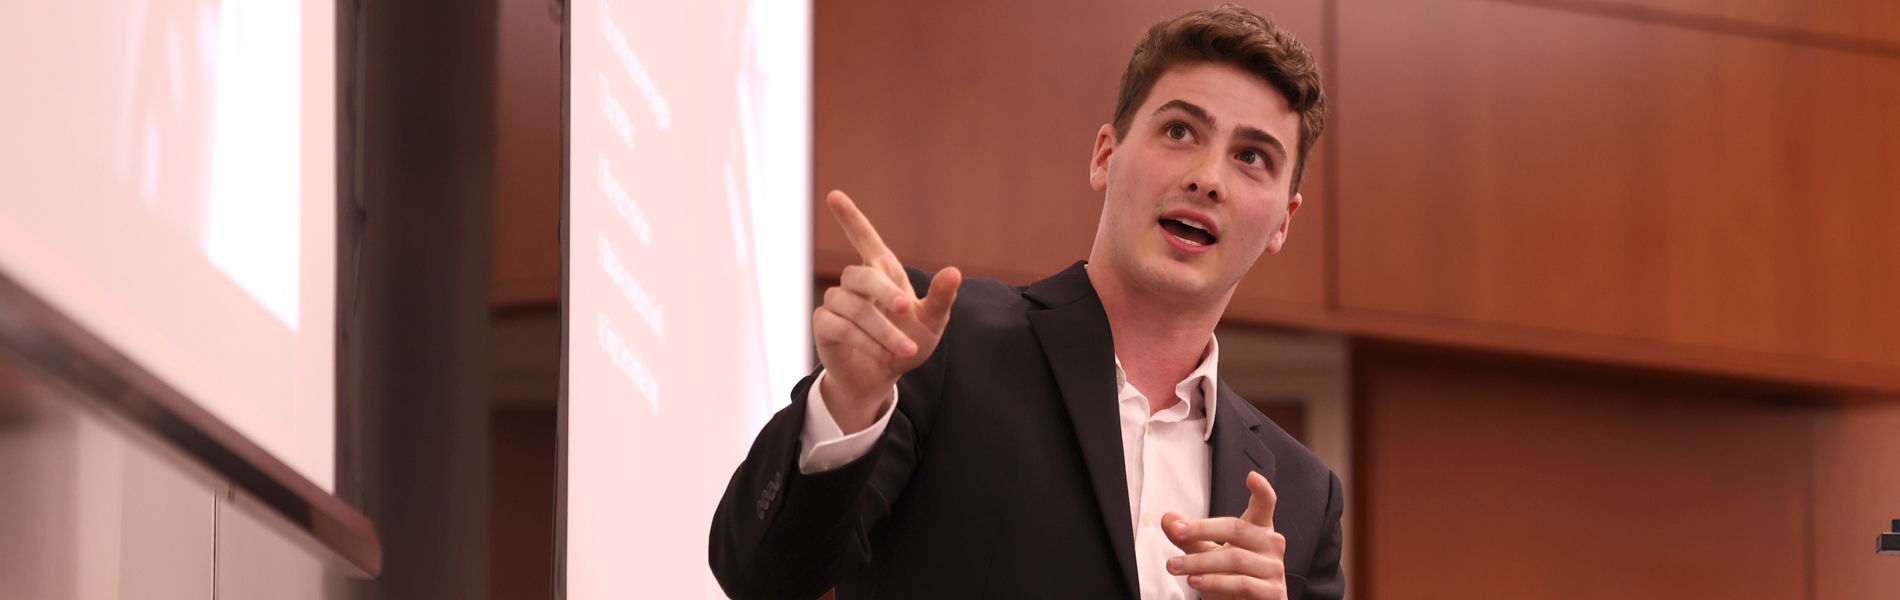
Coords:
1151,429
1145,521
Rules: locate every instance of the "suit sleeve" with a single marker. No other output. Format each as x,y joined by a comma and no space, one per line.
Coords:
1325,580
780,533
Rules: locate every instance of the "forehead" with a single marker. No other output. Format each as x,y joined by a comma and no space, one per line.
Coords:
1230,95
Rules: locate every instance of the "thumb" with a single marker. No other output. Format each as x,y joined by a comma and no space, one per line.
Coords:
1260,504
943,293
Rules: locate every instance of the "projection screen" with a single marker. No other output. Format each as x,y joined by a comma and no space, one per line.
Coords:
169,172
688,273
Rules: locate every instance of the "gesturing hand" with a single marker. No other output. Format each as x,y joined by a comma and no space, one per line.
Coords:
1229,557
873,327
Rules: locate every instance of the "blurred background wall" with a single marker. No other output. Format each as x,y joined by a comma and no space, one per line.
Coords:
1616,278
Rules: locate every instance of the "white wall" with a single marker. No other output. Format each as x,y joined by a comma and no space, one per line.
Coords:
91,509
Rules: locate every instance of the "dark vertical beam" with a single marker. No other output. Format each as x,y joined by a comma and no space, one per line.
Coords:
416,225
557,580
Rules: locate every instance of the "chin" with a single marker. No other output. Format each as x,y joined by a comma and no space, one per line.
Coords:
1171,278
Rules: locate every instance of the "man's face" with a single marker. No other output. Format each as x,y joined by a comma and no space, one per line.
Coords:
1199,186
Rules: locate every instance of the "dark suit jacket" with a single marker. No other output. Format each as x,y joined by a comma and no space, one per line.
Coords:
1001,474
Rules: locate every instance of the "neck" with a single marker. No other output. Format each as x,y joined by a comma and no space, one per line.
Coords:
1159,341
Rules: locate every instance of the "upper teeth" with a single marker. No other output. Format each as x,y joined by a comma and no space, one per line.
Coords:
1191,223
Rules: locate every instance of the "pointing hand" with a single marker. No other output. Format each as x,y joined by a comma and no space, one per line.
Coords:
873,327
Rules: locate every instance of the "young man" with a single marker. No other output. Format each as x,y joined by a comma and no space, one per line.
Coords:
1069,439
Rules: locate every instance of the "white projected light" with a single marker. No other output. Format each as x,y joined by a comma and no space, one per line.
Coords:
689,272
171,186
251,224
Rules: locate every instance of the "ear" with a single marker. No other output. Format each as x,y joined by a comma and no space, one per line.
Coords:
1279,237
1098,162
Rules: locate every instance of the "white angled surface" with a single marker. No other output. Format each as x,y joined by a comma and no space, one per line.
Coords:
689,273
95,509
170,184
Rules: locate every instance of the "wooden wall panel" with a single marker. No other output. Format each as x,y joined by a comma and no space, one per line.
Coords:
527,259
524,457
1857,495
1544,170
964,128
1488,480
1866,24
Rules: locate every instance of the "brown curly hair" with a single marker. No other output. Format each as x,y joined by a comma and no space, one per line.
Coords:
1235,36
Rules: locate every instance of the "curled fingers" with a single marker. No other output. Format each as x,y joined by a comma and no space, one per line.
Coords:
1229,530
874,283
1228,559
862,313
831,329
1238,586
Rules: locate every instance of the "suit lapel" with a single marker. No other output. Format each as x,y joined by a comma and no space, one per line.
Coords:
1237,449
1081,351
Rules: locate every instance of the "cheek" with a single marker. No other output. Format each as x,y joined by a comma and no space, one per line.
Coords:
1147,173
1135,190
1260,221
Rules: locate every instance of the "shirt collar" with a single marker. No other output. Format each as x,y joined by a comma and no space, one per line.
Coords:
1200,389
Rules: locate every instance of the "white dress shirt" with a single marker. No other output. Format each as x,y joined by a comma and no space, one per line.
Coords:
1166,457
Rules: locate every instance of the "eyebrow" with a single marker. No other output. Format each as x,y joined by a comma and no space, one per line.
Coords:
1199,114
1261,137
1246,132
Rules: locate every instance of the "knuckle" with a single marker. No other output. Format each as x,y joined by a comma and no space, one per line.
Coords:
895,336
863,312
841,301
848,330
1256,588
1248,560
1276,541
1220,560
1202,562
1225,527
864,274
1265,566
827,326
1226,584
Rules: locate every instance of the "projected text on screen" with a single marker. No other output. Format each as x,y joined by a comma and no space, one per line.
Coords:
688,288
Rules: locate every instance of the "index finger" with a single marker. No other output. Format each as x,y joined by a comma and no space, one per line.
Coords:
1260,504
1220,530
858,229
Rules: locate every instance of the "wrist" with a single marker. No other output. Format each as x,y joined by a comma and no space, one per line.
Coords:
854,410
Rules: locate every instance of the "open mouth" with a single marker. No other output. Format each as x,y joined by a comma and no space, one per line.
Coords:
1188,230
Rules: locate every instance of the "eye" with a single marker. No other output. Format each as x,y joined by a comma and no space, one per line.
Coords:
1249,156
1177,131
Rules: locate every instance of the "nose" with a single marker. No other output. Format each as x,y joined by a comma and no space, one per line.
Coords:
1204,178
